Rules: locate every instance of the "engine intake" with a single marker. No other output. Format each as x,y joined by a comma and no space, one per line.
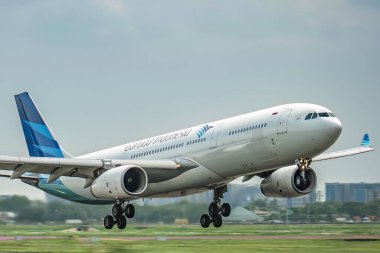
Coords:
288,182
120,183
135,180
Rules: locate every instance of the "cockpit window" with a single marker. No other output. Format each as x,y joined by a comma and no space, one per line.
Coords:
323,114
308,116
331,114
315,115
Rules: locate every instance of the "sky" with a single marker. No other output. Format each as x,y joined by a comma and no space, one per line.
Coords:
106,72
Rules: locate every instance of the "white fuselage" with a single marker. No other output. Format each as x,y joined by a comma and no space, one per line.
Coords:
251,143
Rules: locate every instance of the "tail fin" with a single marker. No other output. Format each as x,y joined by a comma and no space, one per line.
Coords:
39,139
366,142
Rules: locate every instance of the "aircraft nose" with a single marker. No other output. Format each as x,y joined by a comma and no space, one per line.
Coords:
334,127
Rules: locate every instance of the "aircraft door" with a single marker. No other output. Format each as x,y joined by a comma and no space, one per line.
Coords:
214,133
282,126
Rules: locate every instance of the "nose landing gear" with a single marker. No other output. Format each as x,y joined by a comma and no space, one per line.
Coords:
119,216
216,210
303,164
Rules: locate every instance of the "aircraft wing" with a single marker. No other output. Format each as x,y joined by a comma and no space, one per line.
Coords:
83,168
364,147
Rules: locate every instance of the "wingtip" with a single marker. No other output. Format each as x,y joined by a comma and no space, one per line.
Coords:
366,142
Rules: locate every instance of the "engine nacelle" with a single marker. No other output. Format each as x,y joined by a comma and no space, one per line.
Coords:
120,183
288,182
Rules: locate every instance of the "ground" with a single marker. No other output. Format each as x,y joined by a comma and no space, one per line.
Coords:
192,238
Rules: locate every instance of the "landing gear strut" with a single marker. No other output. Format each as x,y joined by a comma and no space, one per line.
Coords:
216,210
119,216
303,164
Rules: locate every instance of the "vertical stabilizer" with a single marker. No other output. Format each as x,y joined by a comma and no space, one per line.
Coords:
39,139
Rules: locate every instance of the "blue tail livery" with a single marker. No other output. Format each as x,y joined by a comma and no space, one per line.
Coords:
39,139
366,142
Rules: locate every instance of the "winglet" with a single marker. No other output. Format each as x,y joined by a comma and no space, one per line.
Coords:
39,139
366,142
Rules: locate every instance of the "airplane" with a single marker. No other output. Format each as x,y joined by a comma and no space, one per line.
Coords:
277,144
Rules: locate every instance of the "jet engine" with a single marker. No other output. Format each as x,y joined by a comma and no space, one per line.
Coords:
120,183
289,182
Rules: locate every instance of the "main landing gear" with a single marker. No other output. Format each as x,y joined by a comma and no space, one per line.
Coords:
119,216
216,210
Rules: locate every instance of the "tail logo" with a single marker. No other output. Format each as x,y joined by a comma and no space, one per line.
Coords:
366,142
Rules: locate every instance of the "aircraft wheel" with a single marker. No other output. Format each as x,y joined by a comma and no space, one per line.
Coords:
213,209
121,222
217,221
205,221
108,222
129,211
225,210
117,211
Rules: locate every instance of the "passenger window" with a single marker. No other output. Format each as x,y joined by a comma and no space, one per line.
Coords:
308,116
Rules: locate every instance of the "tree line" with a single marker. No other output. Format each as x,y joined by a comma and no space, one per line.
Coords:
31,211
318,211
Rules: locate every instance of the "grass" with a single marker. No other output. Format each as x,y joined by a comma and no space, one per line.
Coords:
134,230
230,246
112,240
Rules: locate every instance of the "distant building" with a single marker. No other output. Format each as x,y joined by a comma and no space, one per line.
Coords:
7,217
357,192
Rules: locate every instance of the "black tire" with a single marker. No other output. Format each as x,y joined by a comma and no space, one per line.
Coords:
217,221
121,222
130,211
108,222
205,221
225,210
213,209
117,211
